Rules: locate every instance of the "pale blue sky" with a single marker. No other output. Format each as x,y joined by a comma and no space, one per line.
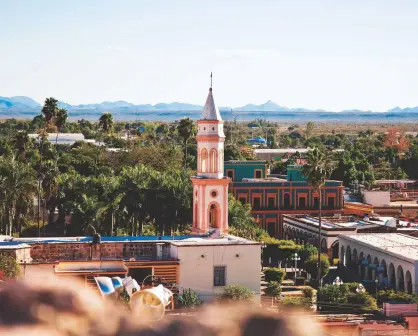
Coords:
330,54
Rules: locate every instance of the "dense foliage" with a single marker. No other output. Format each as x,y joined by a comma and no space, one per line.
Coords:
237,293
135,178
274,274
9,268
345,298
311,265
189,299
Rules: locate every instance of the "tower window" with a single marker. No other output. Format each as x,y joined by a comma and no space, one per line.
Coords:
213,128
204,128
214,193
219,276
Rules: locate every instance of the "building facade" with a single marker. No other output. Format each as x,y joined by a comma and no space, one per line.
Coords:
271,197
389,258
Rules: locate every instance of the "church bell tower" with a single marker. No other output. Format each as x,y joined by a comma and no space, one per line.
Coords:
210,187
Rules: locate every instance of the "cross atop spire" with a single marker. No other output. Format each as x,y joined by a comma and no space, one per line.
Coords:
211,79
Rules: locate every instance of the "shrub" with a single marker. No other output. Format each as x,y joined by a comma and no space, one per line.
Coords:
189,299
237,293
308,292
295,302
9,268
311,265
273,289
274,274
395,297
352,286
365,302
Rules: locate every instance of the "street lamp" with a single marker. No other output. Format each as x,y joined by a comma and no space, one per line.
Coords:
337,281
296,258
376,282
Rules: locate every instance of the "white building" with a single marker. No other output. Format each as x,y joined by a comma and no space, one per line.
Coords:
305,228
391,258
64,138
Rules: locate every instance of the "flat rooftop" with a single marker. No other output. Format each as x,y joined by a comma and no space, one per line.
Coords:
394,243
174,240
342,221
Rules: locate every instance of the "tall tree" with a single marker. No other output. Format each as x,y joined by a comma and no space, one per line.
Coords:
106,122
186,129
60,120
309,129
17,187
49,110
318,168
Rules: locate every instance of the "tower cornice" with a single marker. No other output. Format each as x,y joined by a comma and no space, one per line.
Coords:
210,138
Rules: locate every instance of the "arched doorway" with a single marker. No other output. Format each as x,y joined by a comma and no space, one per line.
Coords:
400,279
408,280
368,270
342,255
375,268
391,277
286,201
214,216
362,265
384,282
334,248
348,255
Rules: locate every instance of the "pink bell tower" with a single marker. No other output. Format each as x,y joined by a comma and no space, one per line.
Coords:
210,187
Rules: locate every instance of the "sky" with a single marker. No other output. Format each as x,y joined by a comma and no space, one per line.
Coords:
327,54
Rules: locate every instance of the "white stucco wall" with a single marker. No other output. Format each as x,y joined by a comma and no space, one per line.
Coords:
38,271
376,198
196,272
375,252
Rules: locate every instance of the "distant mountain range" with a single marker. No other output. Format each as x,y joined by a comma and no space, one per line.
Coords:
27,103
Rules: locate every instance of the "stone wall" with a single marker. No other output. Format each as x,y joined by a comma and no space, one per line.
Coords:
47,252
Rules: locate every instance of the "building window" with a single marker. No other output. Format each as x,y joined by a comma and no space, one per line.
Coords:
243,200
286,201
331,202
257,203
230,174
316,202
214,193
270,202
219,275
302,202
271,228
257,173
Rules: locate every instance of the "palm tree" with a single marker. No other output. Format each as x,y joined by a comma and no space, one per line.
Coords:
186,129
106,122
49,110
17,188
21,144
60,120
317,170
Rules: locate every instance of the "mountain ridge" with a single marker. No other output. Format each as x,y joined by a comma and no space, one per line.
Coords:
23,102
